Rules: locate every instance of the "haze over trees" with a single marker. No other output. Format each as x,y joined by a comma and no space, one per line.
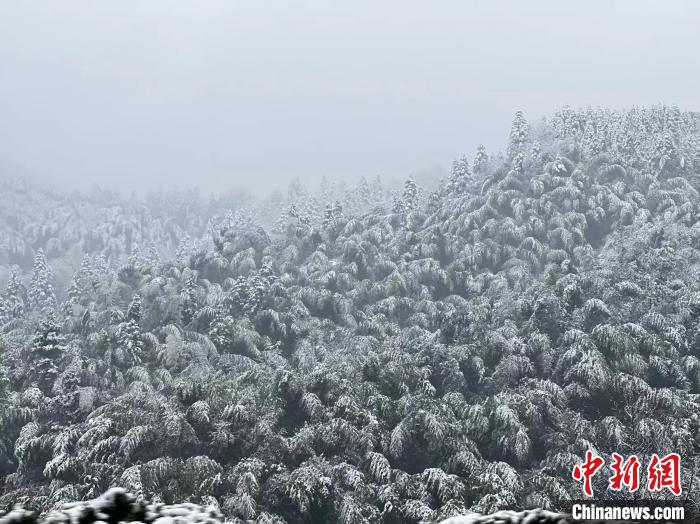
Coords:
363,354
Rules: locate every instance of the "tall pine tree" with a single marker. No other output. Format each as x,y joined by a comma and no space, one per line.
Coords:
459,177
42,298
481,159
46,350
518,135
13,303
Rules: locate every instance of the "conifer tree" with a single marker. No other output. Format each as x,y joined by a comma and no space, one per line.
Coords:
481,159
517,163
13,303
73,296
8,420
460,176
46,350
133,312
4,384
328,217
188,299
409,198
42,298
518,135
129,336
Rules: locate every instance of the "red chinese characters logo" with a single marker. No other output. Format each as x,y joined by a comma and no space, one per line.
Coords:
626,473
661,473
586,471
665,473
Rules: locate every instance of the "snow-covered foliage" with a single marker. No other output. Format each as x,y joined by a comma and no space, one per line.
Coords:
358,354
118,505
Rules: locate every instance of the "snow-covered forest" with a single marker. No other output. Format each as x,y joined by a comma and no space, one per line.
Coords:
362,353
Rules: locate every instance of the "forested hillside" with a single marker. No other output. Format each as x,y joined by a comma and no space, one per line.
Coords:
356,354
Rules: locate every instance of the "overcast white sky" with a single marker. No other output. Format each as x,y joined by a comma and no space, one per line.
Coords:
136,94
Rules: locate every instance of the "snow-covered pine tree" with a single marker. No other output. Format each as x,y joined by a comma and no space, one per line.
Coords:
481,159
460,176
42,298
73,297
133,312
518,135
188,299
259,287
331,214
328,216
129,336
517,163
13,302
409,198
47,347
4,384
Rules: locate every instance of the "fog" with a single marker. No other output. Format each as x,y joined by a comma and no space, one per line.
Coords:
222,94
